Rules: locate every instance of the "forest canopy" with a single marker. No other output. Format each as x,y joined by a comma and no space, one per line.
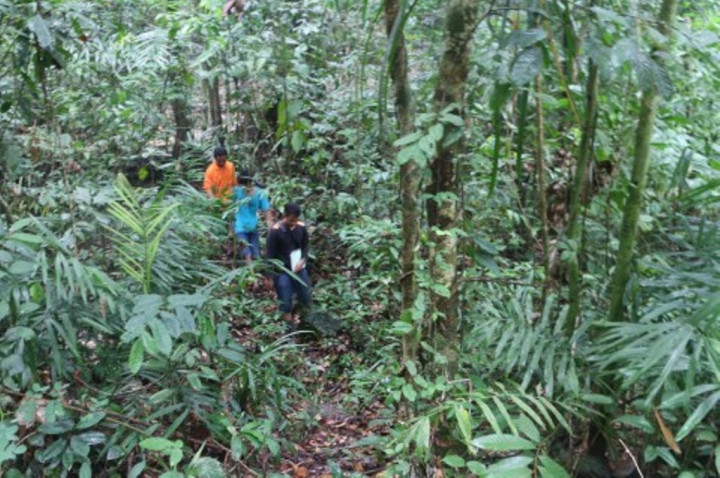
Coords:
508,211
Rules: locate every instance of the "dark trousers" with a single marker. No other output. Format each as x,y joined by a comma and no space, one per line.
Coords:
251,241
286,287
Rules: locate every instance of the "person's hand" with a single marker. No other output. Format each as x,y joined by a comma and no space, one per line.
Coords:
299,266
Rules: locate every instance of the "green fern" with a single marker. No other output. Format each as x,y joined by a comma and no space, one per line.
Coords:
144,228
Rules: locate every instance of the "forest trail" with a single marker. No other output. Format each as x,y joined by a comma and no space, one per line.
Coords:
327,429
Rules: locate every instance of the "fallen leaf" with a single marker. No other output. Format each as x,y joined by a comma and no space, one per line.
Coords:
667,433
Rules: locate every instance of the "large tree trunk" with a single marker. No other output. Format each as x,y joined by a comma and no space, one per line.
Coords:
442,206
409,173
633,205
574,227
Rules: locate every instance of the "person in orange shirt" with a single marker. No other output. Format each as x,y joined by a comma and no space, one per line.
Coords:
220,176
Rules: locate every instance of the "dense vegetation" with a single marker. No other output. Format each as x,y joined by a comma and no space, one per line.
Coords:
513,211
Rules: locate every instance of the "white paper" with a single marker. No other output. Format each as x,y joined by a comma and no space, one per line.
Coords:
295,257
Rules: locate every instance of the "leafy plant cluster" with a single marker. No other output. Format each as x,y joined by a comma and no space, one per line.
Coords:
120,343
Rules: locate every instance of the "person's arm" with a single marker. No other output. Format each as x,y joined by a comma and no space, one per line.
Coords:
265,207
271,248
208,184
303,251
304,244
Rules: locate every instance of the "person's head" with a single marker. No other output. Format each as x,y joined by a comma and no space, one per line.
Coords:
220,155
245,179
291,214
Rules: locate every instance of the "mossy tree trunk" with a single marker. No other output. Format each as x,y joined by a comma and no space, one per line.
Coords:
574,227
213,91
182,125
638,180
442,206
409,173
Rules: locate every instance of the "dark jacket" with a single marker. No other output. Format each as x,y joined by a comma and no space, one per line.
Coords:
282,241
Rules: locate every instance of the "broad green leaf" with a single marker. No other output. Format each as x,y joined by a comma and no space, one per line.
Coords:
205,467
408,139
411,368
297,141
52,451
697,416
136,470
436,131
194,381
489,415
409,392
454,461
512,467
636,421
159,444
90,420
503,442
526,66
525,38
463,420
162,336
238,447
552,469
79,447
422,433
86,470
92,438
22,268
597,398
527,428
400,328
476,467
136,356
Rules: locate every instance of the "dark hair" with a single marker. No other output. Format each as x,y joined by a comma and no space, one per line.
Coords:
244,177
219,151
292,209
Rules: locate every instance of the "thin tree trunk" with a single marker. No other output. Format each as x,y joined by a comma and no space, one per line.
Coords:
574,227
409,173
213,87
442,205
182,125
638,180
540,180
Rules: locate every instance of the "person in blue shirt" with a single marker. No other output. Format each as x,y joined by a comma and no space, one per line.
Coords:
250,199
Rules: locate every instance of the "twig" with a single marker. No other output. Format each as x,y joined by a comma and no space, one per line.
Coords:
632,457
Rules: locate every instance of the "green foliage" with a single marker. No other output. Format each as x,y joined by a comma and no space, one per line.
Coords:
138,247
128,347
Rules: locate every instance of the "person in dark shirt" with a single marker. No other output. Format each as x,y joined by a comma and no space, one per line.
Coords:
288,243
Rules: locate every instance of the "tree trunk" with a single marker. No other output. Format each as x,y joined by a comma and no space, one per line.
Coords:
409,173
213,90
442,205
574,227
540,179
638,180
182,125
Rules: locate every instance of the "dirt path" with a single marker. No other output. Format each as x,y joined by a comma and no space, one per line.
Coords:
333,426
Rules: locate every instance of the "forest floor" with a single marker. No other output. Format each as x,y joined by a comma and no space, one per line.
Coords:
328,433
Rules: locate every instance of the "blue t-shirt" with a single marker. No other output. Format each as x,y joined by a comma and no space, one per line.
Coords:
246,219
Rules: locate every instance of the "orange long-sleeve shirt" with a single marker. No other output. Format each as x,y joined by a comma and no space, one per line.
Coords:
220,181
